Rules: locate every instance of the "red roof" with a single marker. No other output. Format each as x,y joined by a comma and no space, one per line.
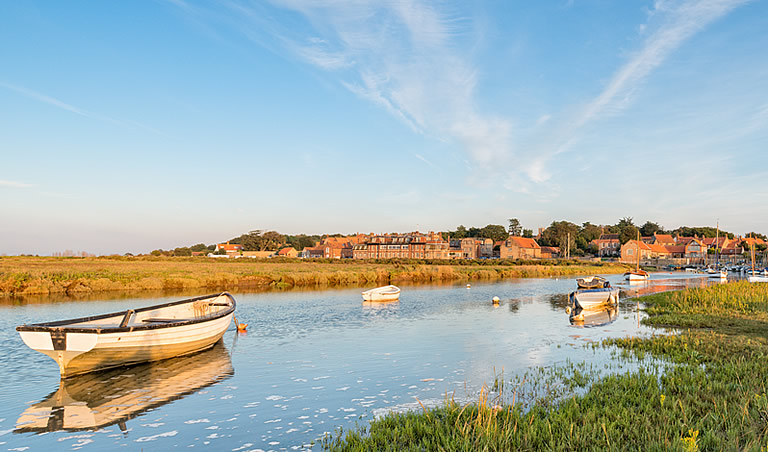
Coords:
657,248
523,242
285,251
664,238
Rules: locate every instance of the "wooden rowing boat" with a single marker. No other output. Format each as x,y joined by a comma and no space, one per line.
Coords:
592,282
115,396
134,336
385,293
591,298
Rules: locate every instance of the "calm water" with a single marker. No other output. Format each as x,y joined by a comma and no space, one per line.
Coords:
309,363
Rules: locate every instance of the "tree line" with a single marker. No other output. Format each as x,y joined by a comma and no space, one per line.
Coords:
563,234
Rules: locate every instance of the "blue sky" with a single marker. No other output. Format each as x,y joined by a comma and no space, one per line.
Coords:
130,126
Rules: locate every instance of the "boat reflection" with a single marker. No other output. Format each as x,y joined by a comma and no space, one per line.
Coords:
101,399
594,317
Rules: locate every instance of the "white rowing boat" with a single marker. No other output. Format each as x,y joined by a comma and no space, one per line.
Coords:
385,293
591,298
134,336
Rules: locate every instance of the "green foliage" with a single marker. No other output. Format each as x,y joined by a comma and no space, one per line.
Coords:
701,232
514,227
756,235
259,240
528,233
199,247
496,232
182,251
650,228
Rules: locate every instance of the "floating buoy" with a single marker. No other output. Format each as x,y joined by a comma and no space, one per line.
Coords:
496,300
469,286
241,327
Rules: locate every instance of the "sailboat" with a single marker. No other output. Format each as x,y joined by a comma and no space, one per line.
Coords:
754,276
637,274
717,273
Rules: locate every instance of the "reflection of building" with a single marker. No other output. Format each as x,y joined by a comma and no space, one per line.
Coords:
519,248
101,399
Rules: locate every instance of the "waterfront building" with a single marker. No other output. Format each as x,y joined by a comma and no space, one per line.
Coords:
519,248
608,245
414,245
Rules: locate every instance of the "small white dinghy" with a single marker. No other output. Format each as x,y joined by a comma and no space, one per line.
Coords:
134,336
591,298
385,293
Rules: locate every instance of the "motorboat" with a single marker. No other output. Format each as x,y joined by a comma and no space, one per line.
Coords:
133,336
592,282
718,274
384,293
590,298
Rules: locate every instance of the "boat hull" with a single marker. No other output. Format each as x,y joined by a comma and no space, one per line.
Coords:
586,299
382,294
636,276
87,345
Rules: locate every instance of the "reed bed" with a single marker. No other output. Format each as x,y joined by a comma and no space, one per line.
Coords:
710,394
25,276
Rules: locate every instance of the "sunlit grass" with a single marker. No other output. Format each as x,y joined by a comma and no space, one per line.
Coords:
52,275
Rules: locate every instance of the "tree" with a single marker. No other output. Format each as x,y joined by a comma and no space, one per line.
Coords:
459,233
650,228
528,233
199,247
182,251
590,231
514,227
561,234
627,230
496,232
258,240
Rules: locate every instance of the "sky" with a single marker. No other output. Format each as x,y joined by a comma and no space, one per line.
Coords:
132,126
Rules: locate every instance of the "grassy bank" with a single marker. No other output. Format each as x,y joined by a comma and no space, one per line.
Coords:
711,397
21,276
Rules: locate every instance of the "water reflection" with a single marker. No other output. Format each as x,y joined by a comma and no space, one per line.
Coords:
101,399
589,318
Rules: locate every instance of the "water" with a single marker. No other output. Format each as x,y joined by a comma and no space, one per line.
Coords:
310,362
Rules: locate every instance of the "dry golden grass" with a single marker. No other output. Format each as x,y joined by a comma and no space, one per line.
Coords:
59,275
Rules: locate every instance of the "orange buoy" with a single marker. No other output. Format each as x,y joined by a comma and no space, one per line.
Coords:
241,327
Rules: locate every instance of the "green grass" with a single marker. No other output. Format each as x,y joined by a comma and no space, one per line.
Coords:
710,395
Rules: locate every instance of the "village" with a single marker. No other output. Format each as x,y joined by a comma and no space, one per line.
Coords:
657,250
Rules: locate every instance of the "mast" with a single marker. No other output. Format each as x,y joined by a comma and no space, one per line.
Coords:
717,244
752,253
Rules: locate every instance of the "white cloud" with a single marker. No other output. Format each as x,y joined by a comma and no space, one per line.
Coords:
13,184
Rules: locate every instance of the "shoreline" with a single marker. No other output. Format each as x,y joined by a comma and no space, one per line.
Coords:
39,276
711,394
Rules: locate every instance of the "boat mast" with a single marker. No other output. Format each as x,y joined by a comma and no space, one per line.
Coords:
752,253
717,244
638,252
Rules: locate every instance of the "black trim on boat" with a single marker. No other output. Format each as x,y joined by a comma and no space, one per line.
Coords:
61,325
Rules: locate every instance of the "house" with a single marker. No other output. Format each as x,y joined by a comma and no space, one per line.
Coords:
313,252
288,252
550,252
414,245
663,239
471,248
659,251
631,249
231,249
519,248
694,248
607,245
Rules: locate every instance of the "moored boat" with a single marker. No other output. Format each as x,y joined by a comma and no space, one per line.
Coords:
636,275
384,293
592,282
133,336
590,298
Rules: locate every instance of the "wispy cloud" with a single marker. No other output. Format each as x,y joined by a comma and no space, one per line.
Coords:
14,184
409,57
71,108
671,24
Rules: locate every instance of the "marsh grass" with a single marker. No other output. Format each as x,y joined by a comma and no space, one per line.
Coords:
709,395
24,276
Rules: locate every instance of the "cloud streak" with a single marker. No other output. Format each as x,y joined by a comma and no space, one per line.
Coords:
678,23
13,184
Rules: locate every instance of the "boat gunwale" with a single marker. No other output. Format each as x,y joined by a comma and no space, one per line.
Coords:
60,325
